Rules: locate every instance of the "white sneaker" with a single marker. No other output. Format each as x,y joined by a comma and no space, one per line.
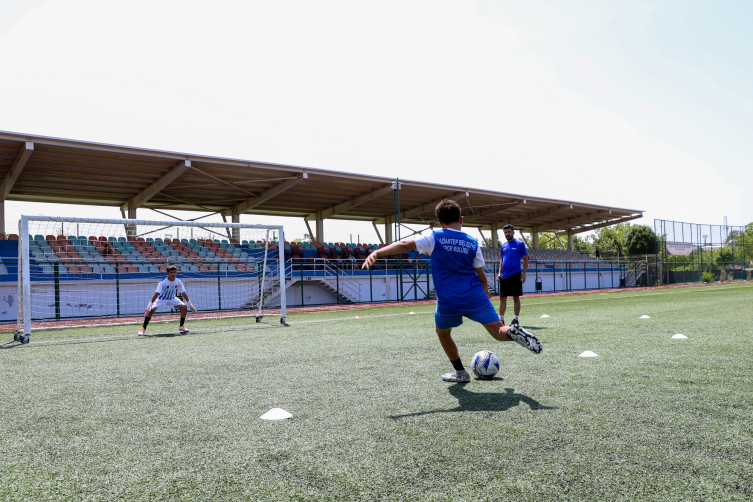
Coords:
459,377
182,329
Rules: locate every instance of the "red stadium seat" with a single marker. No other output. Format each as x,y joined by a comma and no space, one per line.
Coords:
12,237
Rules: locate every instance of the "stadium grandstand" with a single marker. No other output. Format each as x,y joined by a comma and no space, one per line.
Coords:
53,170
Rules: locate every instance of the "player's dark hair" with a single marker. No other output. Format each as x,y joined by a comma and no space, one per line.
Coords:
447,212
171,267
508,226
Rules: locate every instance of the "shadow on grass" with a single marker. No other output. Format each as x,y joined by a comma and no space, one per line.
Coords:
482,401
535,328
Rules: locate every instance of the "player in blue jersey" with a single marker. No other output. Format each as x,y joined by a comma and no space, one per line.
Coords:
511,275
457,266
169,292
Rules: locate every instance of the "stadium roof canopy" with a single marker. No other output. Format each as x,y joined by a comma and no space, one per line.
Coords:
53,170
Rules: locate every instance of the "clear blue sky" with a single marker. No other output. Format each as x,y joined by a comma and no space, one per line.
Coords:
645,105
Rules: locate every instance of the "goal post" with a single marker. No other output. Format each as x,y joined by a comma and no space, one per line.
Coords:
89,271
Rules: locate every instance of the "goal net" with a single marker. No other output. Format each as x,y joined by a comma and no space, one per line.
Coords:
83,272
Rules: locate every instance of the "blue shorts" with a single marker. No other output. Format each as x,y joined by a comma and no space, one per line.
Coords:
485,316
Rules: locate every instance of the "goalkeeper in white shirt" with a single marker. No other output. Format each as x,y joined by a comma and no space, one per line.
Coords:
167,294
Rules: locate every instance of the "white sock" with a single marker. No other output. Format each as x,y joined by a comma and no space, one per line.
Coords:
516,317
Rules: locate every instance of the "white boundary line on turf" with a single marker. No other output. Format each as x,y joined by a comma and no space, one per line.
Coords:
313,321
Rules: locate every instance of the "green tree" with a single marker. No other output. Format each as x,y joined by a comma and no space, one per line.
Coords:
611,238
583,246
638,239
548,240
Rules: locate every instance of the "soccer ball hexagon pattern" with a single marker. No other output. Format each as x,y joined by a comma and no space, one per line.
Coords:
485,364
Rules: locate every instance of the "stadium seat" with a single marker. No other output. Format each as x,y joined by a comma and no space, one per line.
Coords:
12,237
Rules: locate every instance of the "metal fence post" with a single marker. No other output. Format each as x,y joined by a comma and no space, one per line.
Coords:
117,287
585,276
426,264
219,288
415,281
303,301
337,282
57,290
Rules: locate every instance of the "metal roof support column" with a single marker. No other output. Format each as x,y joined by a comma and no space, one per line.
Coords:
236,231
388,228
319,227
129,228
495,235
570,244
13,174
535,237
376,229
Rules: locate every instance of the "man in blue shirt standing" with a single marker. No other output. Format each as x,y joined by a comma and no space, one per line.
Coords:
457,267
511,276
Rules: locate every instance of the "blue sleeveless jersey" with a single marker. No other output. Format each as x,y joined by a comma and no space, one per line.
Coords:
459,290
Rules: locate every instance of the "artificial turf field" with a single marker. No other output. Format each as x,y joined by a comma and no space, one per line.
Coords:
101,414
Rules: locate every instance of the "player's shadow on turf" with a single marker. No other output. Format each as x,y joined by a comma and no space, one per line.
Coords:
482,401
535,328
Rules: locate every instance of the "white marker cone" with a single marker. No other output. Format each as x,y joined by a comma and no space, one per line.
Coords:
276,414
588,353
678,336
411,312
544,316
645,317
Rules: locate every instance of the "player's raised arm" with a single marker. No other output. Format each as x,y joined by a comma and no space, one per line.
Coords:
393,249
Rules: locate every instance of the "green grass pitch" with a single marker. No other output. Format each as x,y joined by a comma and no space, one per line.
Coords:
101,414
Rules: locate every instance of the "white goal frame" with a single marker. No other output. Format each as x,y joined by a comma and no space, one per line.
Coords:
24,319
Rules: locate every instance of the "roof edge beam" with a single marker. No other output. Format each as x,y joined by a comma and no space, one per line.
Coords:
15,170
601,225
268,194
142,198
350,204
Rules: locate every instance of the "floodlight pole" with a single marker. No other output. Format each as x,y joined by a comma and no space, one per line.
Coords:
396,186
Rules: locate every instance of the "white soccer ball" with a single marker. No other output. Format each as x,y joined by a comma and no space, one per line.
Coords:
485,364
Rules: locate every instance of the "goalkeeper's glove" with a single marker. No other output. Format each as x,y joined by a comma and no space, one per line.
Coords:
148,308
190,304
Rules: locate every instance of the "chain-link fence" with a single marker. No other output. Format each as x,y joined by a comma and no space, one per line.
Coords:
692,252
